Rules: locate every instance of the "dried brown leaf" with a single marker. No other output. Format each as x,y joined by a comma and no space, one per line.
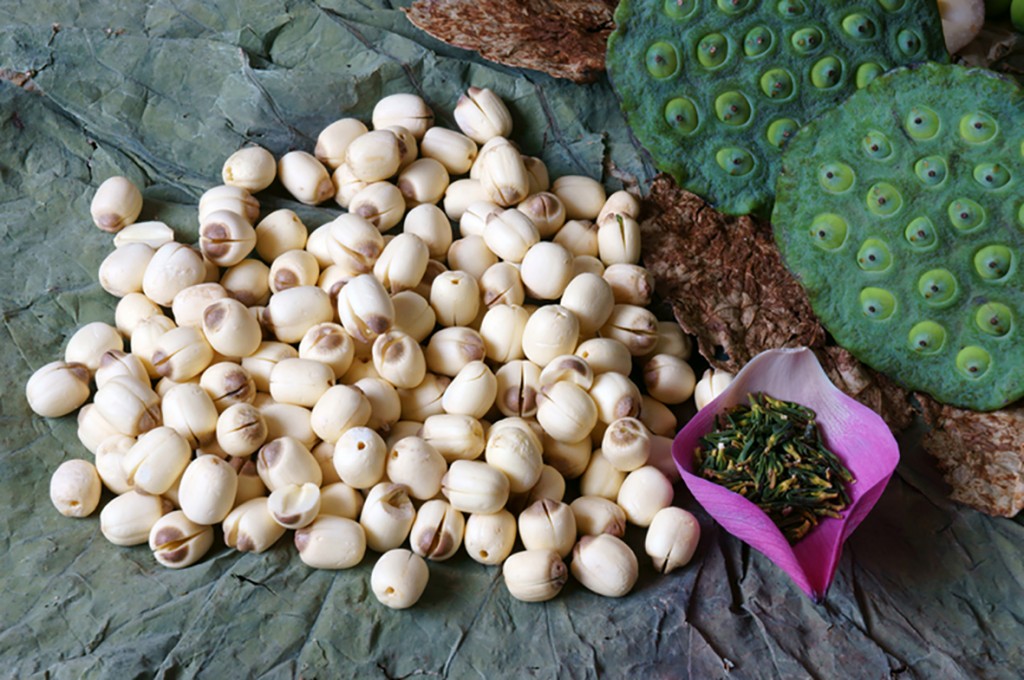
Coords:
563,38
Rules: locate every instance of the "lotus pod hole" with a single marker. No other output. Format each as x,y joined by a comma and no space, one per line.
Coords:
714,89
900,213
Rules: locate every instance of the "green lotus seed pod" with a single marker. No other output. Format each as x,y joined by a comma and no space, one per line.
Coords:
991,175
758,41
993,262
681,114
781,130
732,108
878,304
931,170
735,161
734,6
966,215
937,287
884,199
927,337
874,256
867,72
876,145
828,232
662,60
892,5
1017,14
860,26
680,9
777,83
922,123
920,233
977,127
909,42
712,50
835,177
973,362
827,73
994,318
807,40
790,9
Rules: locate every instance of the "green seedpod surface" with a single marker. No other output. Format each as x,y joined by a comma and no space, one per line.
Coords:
902,213
714,89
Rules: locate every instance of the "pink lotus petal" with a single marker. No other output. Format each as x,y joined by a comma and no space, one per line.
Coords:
854,432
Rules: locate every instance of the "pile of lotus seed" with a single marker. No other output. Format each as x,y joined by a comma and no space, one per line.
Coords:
367,389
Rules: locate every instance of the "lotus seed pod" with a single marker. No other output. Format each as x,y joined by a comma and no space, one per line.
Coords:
333,141
452,348
461,194
605,565
300,381
129,405
579,237
329,344
413,315
232,199
626,444
669,379
590,298
340,500
471,255
724,144
374,156
500,284
454,150
252,168
399,578
431,225
75,488
58,388
711,384
90,342
474,486
132,310
517,454
293,268
546,270
116,204
568,367
455,437
472,391
595,515
248,282
509,234
502,331
379,203
153,234
260,363
127,519
643,493
534,575
482,115
416,464
620,203
387,516
551,331
251,528
630,284
518,384
121,272
581,196
173,267
385,406
340,408
672,539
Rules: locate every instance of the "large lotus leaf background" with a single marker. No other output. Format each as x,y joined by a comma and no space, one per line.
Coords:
162,92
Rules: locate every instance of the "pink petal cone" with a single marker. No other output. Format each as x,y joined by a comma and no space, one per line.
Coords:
855,433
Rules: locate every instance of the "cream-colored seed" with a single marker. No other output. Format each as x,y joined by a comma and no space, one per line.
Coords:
489,538
286,460
406,144
333,278
109,456
551,331
615,396
177,541
473,221
569,458
671,340
189,411
208,489
423,182
340,408
540,180
566,411
455,437
434,269
379,203
225,238
643,493
407,110
546,212
58,388
292,312
116,362
365,308
502,330
534,575
305,177
471,255
228,383
502,173
333,141
518,384
300,381
331,542
164,385
399,359
385,406
354,243
252,168
601,478
260,363
472,391
454,150
672,539
455,298
633,326
669,379
585,264
156,460
293,268
129,405
582,197
711,384
144,338
658,418
331,345
122,270
230,198
579,237
413,315
278,233
517,454
182,353
402,429
437,531
116,204
212,274
248,282
360,457
374,156
548,525
127,519
346,185
626,444
431,225
131,310
153,234
231,328
402,263
568,367
387,516
251,528
618,240
414,463
501,284
530,427
294,506
605,565
596,515
399,578
475,486
620,203
324,454
90,342
241,429
462,193
509,234
482,115
340,500
172,268
550,485
93,428
75,488
189,304
452,348
630,284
